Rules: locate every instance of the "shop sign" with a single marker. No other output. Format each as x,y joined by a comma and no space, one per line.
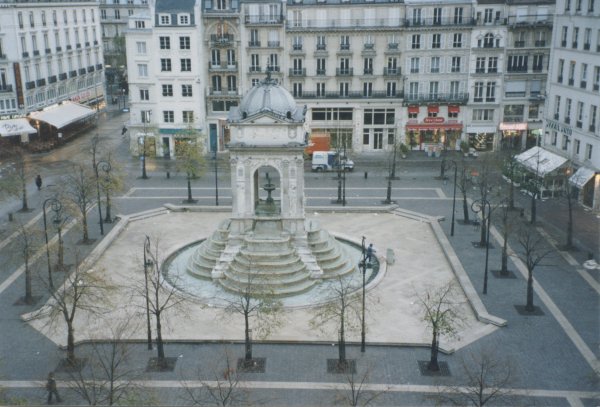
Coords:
82,96
12,116
433,120
559,127
513,126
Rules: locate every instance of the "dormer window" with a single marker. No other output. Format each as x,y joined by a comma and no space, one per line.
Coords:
184,19
164,19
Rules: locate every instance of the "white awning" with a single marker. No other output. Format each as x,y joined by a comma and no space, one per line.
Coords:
581,177
15,127
62,115
540,161
481,129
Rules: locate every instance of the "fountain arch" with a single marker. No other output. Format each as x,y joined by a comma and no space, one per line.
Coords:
267,191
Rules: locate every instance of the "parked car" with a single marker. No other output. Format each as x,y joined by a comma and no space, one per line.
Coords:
330,161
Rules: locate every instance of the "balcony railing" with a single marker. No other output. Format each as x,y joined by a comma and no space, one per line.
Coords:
25,54
6,88
69,47
556,116
559,79
592,128
321,47
351,95
48,51
321,72
368,71
297,47
254,44
517,69
571,81
519,44
392,71
574,45
393,46
62,76
297,72
583,84
596,86
586,46
541,43
446,21
254,69
344,71
273,68
98,67
563,43
78,45
58,49
36,52
439,97
273,44
72,74
263,20
344,47
91,69
222,67
531,20
336,23
223,40
81,71
52,79
40,82
30,85
567,120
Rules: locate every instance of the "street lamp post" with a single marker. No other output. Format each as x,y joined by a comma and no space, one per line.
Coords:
479,206
216,177
147,263
56,207
363,265
106,168
453,164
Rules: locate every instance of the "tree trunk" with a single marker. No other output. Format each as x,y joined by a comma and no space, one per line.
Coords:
248,355
529,307
71,344
24,206
388,199
159,341
86,237
482,238
465,208
504,268
433,361
511,193
570,222
342,344
28,294
533,208
189,188
61,253
108,217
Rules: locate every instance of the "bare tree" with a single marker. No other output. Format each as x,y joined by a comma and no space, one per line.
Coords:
510,169
256,303
569,194
440,311
190,159
27,243
355,393
79,189
484,184
344,310
222,390
464,184
14,181
108,378
533,250
111,183
507,227
160,297
487,379
82,290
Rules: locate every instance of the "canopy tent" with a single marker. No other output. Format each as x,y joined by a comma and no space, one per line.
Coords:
581,177
15,127
64,114
540,161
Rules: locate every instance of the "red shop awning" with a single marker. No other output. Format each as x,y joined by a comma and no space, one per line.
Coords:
433,108
453,126
453,109
413,109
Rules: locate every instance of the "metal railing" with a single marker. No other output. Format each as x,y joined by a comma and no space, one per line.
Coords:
460,97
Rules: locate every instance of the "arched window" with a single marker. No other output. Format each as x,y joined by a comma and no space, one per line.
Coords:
488,40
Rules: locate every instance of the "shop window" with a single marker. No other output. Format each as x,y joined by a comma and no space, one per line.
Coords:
452,115
412,115
366,137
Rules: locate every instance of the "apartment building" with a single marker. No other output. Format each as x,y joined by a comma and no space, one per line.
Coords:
571,121
373,73
50,52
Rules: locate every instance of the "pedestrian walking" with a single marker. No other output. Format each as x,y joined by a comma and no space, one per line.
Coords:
51,387
370,252
38,182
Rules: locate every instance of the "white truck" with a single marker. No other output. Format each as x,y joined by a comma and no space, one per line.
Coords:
330,161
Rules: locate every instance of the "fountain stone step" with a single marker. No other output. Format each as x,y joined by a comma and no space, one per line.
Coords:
274,291
263,272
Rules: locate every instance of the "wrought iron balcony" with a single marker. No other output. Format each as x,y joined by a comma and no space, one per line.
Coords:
263,20
297,72
439,97
392,72
254,44
224,40
344,72
6,88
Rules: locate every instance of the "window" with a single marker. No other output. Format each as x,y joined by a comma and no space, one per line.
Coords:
480,65
561,68
597,78
186,65
567,5
579,113
587,38
186,91
231,57
416,41
139,24
254,41
583,76
554,137
297,43
144,94
44,18
368,66
565,142
458,15
575,37
488,15
143,70
165,64
576,146
320,66
436,40
556,107
455,64
454,89
568,104
457,41
215,57
216,83
517,63
167,90
433,89
391,89
54,18
513,113
368,89
117,14
164,19
416,16
188,116
538,63
577,5
563,36
221,4
168,116
145,116
165,42
483,115
534,111
31,19
435,64
273,64
572,73
488,41
590,6
345,42
593,116
255,82
478,95
344,86
414,65
588,151
231,83
184,19
413,90
184,43
321,44
320,89
490,92
297,89
437,16
492,64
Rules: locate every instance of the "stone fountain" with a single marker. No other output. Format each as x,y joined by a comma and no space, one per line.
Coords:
269,242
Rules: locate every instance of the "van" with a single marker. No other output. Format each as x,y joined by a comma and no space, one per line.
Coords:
330,161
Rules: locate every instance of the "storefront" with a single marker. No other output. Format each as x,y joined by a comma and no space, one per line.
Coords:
514,135
544,172
482,138
16,129
585,181
434,133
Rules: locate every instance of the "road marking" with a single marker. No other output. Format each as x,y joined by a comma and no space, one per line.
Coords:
16,233
572,395
348,198
574,401
562,320
569,259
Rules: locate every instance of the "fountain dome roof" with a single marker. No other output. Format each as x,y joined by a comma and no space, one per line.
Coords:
267,97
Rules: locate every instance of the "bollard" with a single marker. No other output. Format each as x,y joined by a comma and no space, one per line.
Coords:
168,174
10,217
366,174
